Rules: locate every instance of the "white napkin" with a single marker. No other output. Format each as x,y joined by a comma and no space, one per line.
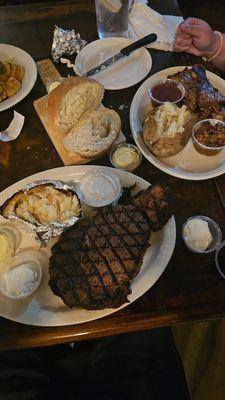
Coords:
14,128
144,20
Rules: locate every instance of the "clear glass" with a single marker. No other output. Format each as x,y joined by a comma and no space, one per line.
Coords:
112,18
215,232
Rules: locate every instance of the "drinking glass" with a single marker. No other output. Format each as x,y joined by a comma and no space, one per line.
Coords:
112,18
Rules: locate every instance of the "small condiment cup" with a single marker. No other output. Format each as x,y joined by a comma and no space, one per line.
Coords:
98,188
219,251
215,232
128,167
156,102
201,148
37,268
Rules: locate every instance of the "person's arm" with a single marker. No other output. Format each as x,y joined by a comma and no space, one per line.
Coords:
197,37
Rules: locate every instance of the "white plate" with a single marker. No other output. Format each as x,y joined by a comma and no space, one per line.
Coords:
18,56
46,309
123,74
188,163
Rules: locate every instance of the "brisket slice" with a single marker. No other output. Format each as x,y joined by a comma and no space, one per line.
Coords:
94,262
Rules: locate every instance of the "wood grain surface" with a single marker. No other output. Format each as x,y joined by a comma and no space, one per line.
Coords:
190,289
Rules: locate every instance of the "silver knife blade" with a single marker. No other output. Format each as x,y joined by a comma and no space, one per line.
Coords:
124,52
104,65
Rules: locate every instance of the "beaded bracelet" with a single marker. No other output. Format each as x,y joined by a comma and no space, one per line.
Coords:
219,48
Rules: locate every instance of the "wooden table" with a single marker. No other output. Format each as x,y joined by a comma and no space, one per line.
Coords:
190,289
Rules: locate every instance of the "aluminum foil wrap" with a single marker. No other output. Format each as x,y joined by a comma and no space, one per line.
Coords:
45,232
66,42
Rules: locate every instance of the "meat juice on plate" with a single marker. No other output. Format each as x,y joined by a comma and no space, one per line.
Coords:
112,18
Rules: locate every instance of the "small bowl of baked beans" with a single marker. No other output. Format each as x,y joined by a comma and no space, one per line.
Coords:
208,136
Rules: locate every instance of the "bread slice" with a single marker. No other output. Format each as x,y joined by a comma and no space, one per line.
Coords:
94,134
71,99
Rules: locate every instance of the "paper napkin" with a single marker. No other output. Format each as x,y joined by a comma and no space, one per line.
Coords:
144,20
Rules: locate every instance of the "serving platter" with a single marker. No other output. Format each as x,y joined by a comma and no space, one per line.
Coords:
46,309
188,163
18,56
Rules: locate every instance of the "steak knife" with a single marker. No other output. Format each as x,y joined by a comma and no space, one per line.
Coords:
125,52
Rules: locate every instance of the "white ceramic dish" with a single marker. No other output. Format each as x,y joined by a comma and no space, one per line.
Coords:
188,163
138,63
46,309
18,56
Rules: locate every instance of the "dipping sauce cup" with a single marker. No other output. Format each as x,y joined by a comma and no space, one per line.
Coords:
166,90
208,136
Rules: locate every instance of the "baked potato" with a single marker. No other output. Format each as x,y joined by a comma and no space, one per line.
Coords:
167,129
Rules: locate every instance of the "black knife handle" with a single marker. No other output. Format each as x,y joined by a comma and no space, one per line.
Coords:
139,43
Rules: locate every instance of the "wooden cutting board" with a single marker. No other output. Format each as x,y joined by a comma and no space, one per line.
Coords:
49,74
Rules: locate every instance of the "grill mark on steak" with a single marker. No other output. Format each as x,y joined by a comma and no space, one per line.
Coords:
93,278
100,252
113,247
127,230
112,275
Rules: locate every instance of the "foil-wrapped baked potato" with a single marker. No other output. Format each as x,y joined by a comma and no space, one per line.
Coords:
42,205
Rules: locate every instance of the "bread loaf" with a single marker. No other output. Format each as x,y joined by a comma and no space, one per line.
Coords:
94,134
71,99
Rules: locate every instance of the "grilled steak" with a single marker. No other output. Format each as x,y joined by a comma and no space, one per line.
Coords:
94,262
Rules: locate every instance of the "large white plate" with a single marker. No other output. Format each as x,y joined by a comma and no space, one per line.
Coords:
188,164
18,56
46,309
123,74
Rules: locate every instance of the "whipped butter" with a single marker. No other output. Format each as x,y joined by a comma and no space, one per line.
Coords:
125,156
197,234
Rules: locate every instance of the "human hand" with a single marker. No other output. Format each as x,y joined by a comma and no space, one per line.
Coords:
196,37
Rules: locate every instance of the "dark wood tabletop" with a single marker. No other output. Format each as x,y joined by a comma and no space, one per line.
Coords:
190,289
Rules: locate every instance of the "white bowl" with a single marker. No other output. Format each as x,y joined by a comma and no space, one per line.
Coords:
18,56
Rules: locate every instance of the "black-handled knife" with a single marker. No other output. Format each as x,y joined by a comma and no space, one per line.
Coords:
123,53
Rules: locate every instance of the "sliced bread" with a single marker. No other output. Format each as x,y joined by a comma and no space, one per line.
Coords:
94,134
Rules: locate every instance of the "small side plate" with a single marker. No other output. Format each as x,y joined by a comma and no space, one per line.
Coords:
123,74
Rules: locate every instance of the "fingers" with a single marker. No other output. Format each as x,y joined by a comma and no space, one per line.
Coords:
194,51
182,42
192,30
193,21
